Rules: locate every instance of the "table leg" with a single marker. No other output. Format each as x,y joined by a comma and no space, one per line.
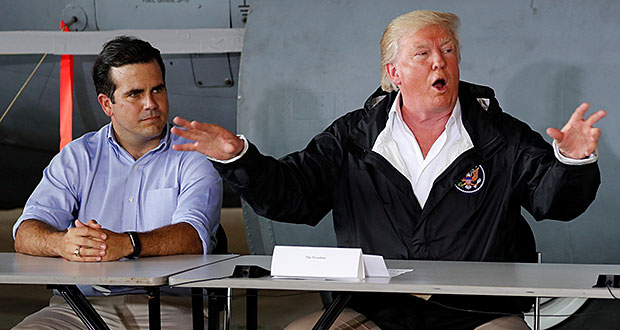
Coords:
214,310
154,308
82,307
332,312
251,307
228,309
198,320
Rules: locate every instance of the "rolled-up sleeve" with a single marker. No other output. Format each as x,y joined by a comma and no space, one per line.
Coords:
200,198
55,200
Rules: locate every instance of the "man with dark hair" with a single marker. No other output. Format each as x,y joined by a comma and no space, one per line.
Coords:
122,192
431,168
118,52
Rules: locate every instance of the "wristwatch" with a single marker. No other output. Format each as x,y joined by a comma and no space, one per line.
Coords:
135,242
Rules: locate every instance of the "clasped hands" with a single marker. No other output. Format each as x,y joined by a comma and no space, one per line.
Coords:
90,242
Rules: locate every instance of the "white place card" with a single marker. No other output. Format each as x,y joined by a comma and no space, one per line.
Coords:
374,266
323,262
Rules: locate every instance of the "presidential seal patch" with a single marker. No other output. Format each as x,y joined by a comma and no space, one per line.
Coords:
472,181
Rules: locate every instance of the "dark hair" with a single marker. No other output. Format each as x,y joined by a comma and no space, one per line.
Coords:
118,52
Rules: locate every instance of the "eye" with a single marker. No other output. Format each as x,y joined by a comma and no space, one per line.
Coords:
421,53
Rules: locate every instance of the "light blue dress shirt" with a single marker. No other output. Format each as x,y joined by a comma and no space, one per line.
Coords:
93,177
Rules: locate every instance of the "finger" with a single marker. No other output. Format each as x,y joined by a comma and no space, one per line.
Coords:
232,146
206,127
579,112
92,223
89,243
89,252
180,132
556,134
595,134
193,134
87,232
595,117
96,234
181,122
228,148
83,255
185,147
85,259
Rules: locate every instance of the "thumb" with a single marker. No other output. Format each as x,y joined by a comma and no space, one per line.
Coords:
79,223
92,223
231,145
556,134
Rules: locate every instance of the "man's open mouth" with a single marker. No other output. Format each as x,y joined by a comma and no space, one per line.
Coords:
439,84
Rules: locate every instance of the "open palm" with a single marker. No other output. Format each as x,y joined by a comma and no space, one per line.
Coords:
578,139
211,140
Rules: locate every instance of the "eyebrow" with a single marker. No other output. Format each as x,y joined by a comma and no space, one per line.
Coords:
140,90
447,41
427,45
160,86
134,91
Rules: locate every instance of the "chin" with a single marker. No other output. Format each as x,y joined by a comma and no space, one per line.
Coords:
443,105
153,130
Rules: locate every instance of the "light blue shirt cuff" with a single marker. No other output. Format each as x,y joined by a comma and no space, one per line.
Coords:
571,161
245,149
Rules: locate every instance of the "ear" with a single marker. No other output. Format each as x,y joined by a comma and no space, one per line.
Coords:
106,104
393,73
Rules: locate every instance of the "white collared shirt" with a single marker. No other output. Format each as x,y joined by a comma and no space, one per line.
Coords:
398,145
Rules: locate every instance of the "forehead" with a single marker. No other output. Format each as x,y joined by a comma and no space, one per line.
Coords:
427,36
136,75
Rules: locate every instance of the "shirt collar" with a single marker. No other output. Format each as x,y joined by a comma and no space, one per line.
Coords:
164,142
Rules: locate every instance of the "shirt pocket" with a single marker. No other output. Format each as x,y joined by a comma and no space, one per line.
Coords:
159,206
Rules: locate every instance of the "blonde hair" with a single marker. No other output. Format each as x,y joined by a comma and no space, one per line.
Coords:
409,24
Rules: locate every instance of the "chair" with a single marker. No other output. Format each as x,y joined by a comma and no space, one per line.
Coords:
221,245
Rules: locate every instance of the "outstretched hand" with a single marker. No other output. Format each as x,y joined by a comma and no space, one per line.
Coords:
578,139
211,140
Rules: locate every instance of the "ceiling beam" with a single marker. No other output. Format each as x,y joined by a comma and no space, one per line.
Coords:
177,41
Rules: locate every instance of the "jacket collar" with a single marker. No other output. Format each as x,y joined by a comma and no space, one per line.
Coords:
479,108
374,118
477,102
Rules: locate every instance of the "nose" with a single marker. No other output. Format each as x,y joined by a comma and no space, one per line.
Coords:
150,102
439,62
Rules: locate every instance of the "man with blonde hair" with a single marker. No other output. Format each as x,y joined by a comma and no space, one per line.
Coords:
430,168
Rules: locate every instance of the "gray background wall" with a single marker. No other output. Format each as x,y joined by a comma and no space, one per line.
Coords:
305,63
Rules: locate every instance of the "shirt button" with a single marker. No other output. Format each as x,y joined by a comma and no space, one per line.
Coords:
130,199
135,167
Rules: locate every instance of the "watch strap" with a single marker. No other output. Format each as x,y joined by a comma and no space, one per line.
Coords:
135,242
